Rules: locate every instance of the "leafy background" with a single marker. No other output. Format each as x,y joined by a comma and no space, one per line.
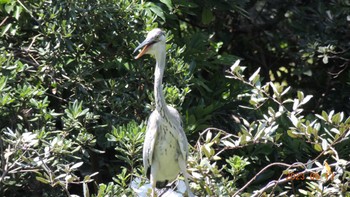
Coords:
74,102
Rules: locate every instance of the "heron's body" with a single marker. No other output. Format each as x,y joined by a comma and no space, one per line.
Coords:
165,148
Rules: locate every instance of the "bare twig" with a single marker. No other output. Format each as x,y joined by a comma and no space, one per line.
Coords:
36,62
59,98
299,174
3,21
215,129
31,43
335,75
265,168
279,181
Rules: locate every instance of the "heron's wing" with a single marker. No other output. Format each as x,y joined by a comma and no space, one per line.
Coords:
150,139
183,143
179,132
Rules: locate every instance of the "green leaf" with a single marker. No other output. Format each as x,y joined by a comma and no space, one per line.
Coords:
330,116
3,81
295,104
168,3
5,29
335,130
260,131
157,10
5,1
300,95
320,117
208,137
235,67
255,76
228,144
86,190
325,59
197,175
208,151
285,91
9,7
318,147
305,100
77,165
274,88
304,192
41,179
337,118
294,120
291,134
325,115
324,144
207,16
101,190
18,12
347,121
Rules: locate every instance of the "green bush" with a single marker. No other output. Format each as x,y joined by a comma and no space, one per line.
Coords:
74,102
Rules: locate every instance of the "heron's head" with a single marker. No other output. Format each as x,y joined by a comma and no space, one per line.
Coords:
154,43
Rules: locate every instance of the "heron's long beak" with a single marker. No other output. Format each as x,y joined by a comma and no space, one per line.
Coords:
145,46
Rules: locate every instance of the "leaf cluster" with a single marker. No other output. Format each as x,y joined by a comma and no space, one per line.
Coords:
74,102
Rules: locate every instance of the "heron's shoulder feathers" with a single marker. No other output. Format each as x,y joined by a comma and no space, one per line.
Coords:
150,139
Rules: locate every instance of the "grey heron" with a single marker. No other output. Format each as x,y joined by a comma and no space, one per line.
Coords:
165,149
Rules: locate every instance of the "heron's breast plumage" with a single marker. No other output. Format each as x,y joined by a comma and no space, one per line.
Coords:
166,153
165,143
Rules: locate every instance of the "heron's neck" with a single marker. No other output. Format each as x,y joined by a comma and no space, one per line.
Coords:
158,77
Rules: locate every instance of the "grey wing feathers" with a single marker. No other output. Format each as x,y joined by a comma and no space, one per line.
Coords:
150,138
182,139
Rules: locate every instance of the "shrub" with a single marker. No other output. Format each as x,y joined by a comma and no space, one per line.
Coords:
73,102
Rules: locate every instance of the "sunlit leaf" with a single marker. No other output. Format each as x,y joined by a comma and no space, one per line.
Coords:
5,29
208,137
285,91
77,165
18,12
294,120
255,76
335,130
86,190
330,115
300,95
168,3
228,143
325,115
291,134
318,147
295,104
275,90
325,59
306,99
337,118
235,67
158,11
45,181
324,144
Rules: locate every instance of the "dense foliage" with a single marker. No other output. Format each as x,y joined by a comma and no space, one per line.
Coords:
263,88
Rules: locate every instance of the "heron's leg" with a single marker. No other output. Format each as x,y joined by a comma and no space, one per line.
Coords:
182,165
153,175
153,184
